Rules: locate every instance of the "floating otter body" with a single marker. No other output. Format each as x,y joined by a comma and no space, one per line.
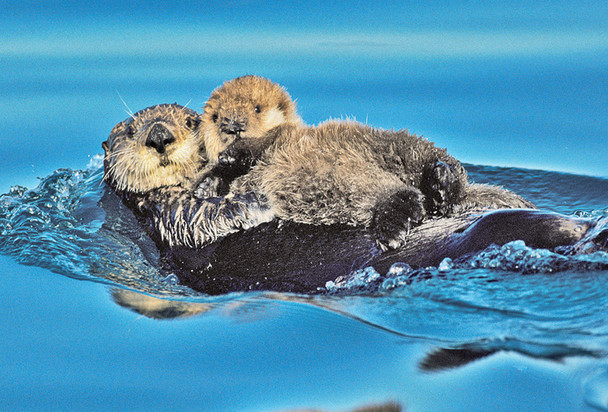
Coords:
290,257
271,254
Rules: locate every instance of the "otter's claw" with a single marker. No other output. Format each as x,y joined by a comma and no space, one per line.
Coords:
226,160
208,187
394,217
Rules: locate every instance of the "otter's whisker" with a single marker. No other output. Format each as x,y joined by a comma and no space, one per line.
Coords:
129,111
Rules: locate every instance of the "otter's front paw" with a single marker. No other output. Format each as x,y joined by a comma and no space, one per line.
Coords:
237,158
208,187
442,186
395,216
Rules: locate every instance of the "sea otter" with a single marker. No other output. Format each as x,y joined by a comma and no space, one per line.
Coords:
225,244
157,146
337,172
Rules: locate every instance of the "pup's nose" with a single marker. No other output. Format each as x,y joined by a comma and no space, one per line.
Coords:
232,126
159,137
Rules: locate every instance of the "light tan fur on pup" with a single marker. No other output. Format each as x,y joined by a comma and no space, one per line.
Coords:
339,171
248,106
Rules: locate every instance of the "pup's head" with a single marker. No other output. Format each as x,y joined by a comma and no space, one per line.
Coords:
157,146
247,106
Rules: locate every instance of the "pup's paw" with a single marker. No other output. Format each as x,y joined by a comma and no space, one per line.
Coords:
395,216
442,186
236,159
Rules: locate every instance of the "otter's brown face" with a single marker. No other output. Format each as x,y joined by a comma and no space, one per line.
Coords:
247,106
157,146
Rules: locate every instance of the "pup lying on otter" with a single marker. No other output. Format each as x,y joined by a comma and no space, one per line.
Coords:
138,152
338,172
155,159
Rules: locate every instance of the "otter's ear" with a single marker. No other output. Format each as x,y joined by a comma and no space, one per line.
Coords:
285,105
105,147
119,129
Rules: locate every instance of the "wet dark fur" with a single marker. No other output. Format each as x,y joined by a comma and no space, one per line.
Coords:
291,257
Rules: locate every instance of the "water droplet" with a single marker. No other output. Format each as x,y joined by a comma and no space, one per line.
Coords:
446,265
399,269
170,280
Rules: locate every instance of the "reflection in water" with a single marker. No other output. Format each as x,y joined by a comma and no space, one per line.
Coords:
449,358
437,360
156,308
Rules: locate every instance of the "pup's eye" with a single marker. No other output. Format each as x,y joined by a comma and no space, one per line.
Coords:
214,117
258,108
130,131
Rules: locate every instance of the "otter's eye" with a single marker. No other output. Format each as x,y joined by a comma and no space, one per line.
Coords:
258,108
192,123
214,117
130,131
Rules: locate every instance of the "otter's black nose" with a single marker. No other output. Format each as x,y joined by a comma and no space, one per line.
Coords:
159,137
232,126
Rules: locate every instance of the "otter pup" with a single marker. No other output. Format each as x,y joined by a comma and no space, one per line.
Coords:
347,172
337,172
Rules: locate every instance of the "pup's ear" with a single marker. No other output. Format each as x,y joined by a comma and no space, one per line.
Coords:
105,147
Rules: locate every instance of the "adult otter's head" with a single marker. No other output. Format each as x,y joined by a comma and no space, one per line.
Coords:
247,106
157,146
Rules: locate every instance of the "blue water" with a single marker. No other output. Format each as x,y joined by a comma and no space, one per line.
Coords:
498,83
530,323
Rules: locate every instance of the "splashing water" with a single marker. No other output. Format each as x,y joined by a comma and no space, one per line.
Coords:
60,226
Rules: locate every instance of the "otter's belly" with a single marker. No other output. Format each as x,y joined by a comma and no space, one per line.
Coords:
278,256
300,258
